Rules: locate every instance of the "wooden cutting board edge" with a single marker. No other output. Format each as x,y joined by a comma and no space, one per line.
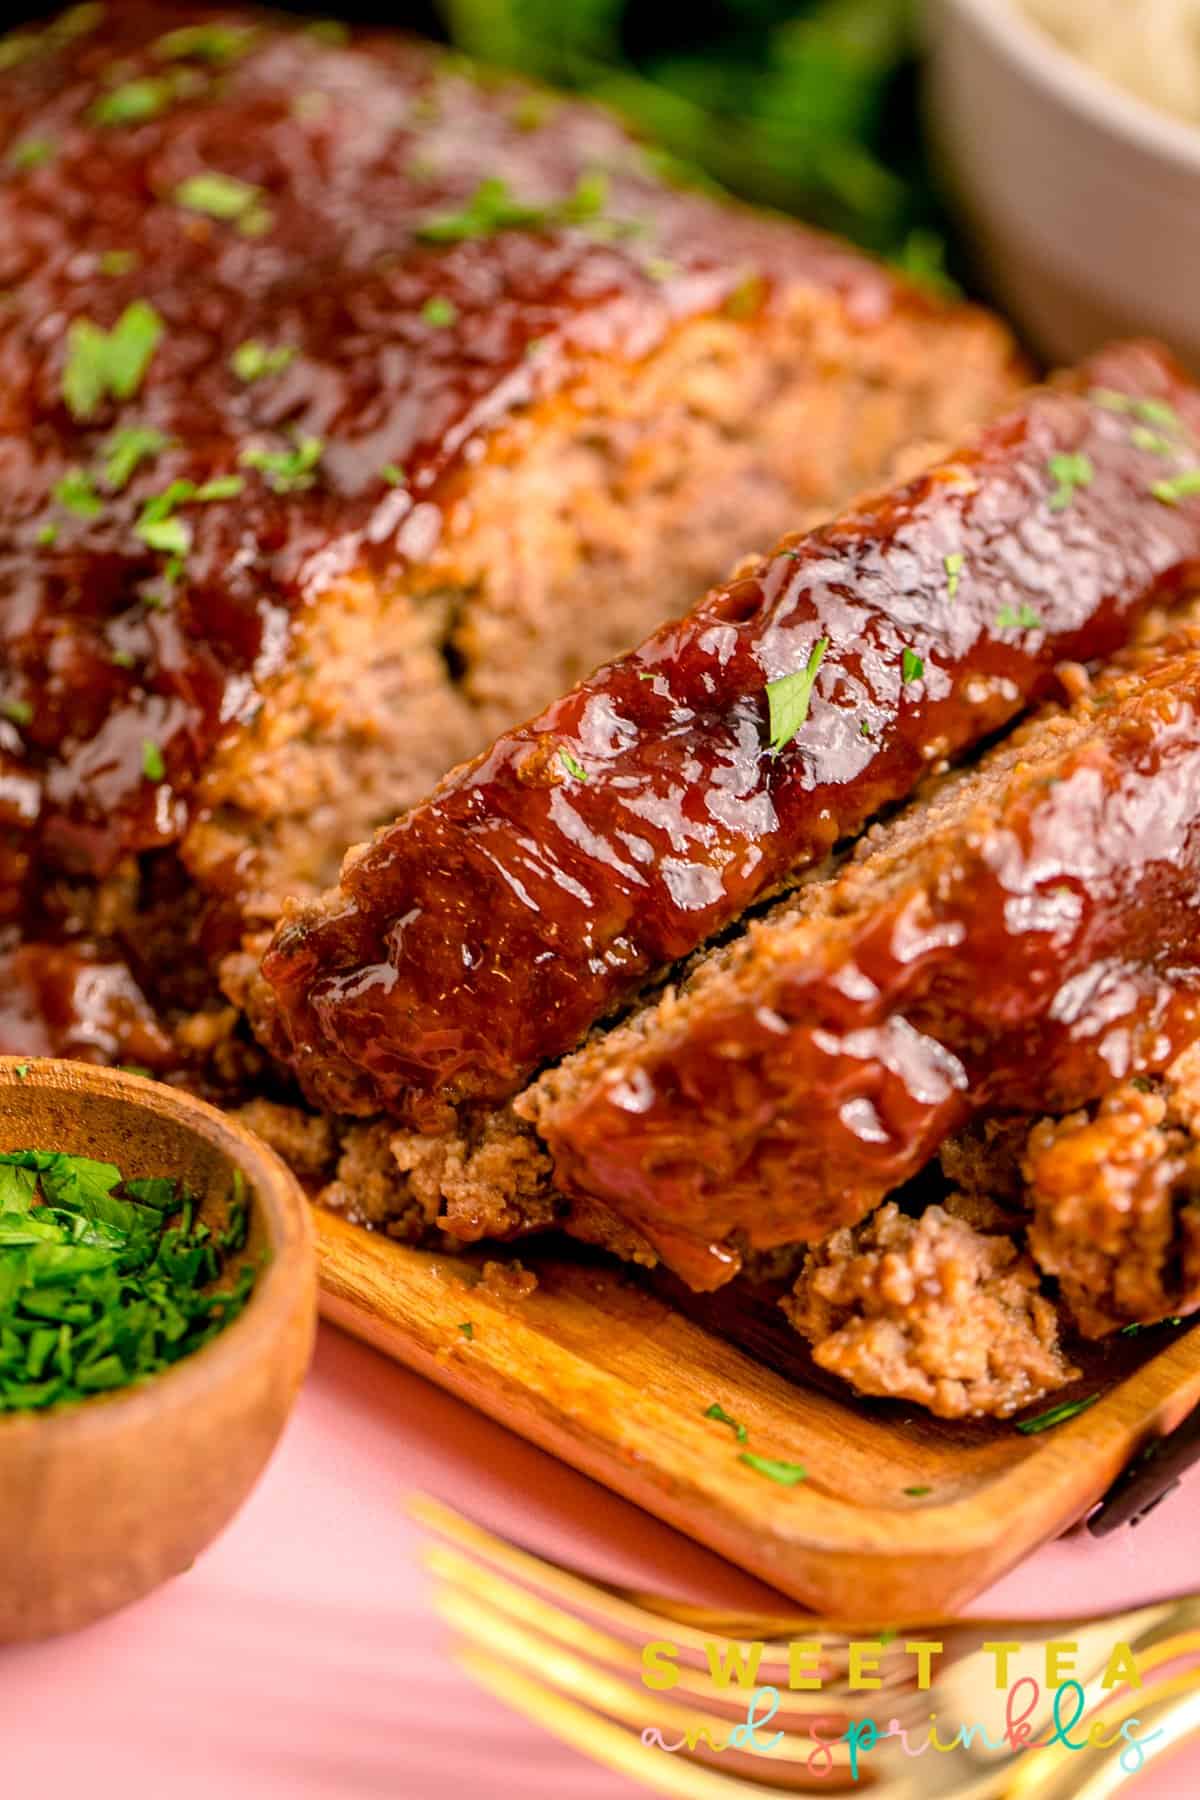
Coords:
881,1565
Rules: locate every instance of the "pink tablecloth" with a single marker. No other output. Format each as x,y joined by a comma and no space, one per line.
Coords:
299,1659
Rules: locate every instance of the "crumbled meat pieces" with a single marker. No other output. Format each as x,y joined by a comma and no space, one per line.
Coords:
303,1139
1114,1195
508,1280
930,1310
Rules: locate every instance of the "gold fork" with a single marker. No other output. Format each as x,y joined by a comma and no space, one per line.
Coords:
567,1652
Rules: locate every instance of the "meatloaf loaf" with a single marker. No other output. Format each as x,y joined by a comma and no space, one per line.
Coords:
354,403
539,887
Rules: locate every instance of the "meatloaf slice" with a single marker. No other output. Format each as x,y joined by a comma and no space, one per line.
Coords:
930,1309
353,404
539,887
1023,935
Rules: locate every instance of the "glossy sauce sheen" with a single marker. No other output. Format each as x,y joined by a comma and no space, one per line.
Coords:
485,932
1041,957
407,353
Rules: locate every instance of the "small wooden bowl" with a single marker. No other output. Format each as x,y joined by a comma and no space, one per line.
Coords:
102,1501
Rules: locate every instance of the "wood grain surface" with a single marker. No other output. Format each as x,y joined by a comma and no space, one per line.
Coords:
614,1373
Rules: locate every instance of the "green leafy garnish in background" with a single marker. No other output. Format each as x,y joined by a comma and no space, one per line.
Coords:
105,1282
805,105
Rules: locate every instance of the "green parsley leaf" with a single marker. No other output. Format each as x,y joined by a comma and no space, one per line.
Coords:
1056,1415
954,567
393,474
133,102
1018,618
1179,487
47,535
916,1492
328,31
220,196
286,471
156,525
76,492
492,207
716,1411
153,766
467,1329
912,666
122,659
125,450
205,43
1070,470
18,712
252,360
572,765
787,1474
32,153
21,1071
437,310
118,262
109,363
221,487
1156,443
789,696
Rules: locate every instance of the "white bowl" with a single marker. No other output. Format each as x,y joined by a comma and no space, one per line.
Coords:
1082,202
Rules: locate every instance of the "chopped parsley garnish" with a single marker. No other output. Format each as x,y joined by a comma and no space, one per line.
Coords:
105,1282
18,712
467,1328
1056,1415
159,528
716,1411
286,471
221,487
252,360
118,262
1150,412
33,153
225,197
47,535
1070,470
915,1493
153,766
1156,443
789,697
21,1071
953,565
492,207
572,765
393,474
787,1474
122,659
76,491
1018,618
328,31
912,666
133,102
864,728
103,364
126,450
437,310
205,43
1179,487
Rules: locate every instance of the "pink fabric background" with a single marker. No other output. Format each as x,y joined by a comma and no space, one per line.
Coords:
299,1659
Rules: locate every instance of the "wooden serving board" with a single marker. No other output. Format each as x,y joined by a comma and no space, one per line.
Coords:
613,1372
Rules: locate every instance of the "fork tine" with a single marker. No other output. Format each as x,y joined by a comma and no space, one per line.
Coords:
1093,1773
599,1739
484,1584
595,1687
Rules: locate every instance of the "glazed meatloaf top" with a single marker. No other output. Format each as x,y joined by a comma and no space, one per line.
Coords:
540,886
263,293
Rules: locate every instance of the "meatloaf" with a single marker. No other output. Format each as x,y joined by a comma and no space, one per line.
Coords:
1022,936
539,887
354,403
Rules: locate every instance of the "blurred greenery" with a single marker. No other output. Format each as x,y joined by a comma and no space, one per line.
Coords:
808,107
